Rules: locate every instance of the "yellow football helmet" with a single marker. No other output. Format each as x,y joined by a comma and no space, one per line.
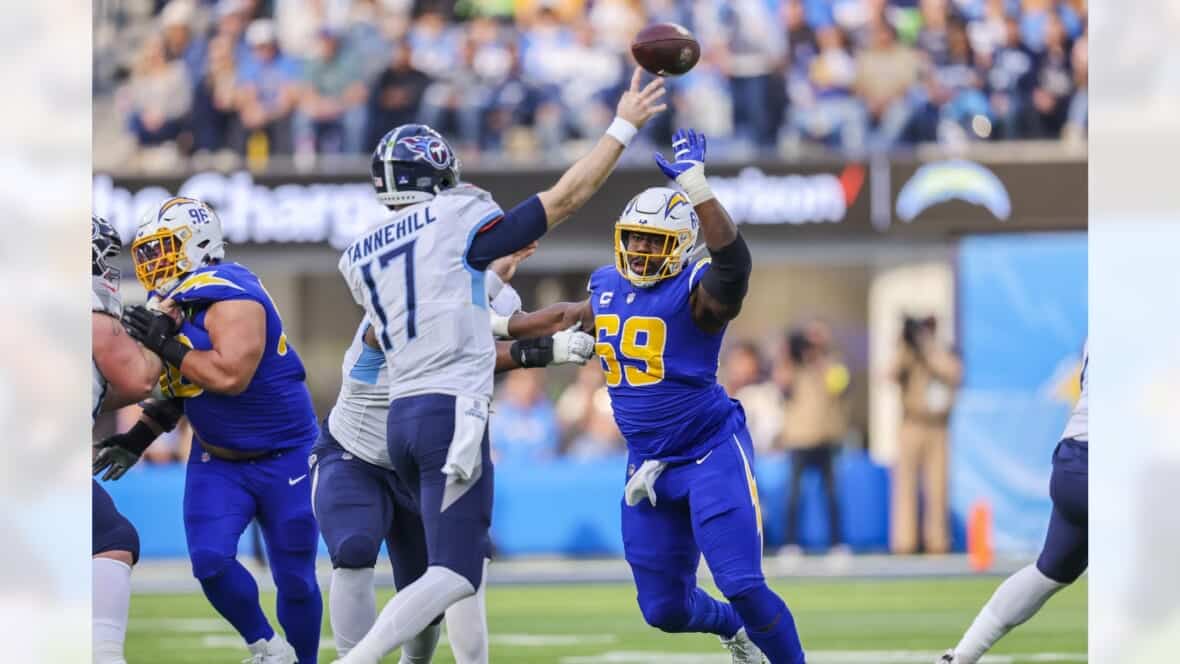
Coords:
174,238
665,218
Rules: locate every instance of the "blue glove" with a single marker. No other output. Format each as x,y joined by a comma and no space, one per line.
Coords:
689,149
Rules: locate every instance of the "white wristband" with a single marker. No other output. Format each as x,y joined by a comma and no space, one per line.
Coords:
499,325
694,184
622,131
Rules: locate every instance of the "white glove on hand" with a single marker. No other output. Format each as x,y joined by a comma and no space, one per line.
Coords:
642,484
572,346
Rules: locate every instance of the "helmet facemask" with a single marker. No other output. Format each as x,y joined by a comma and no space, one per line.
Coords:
105,245
664,259
160,258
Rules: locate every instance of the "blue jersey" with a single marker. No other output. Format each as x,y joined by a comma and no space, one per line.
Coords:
275,411
661,367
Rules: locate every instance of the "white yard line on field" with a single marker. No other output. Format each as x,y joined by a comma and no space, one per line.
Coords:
549,640
815,657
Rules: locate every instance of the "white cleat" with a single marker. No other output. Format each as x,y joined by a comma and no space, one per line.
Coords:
274,651
743,649
948,657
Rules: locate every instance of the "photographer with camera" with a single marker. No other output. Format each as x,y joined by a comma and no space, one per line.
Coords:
928,373
815,423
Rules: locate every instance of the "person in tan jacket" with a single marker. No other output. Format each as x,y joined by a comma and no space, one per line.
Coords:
928,373
815,423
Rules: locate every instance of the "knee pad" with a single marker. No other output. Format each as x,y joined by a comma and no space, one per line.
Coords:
738,585
123,537
759,608
208,563
1062,567
114,533
356,552
665,614
294,586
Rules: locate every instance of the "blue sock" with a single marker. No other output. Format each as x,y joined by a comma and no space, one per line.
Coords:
770,625
234,593
712,616
301,615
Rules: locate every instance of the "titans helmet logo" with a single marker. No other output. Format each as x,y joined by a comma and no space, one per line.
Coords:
429,149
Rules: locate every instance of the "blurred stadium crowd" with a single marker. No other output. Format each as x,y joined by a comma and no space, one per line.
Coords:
523,80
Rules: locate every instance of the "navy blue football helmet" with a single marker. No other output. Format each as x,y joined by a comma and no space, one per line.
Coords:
411,164
105,246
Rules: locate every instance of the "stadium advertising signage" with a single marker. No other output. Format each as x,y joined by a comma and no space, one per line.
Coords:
771,201
960,196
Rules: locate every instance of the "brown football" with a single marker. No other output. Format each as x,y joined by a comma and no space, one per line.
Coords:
666,49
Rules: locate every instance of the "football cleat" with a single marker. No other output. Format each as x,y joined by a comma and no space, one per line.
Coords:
948,657
274,651
742,649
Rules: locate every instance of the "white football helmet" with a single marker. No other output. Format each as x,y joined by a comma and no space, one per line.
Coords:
663,212
174,238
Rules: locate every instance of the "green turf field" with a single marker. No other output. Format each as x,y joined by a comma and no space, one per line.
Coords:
840,621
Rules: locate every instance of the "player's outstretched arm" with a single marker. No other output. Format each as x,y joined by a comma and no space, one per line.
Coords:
550,319
568,346
586,176
529,220
118,453
718,300
130,370
237,332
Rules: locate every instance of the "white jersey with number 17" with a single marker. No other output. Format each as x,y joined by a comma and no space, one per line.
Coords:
428,306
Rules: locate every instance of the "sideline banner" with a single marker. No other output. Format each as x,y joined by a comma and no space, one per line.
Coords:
772,201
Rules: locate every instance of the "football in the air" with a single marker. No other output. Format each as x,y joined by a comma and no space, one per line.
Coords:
666,49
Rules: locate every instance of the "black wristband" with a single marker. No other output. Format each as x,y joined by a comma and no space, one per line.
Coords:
164,413
728,277
533,352
138,438
173,352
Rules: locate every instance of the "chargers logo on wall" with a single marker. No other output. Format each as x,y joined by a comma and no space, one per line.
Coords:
959,179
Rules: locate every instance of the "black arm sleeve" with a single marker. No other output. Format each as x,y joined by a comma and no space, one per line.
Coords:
165,413
533,352
517,229
728,278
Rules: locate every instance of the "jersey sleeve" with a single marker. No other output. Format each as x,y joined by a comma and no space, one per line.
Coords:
219,284
350,278
509,232
507,301
598,280
699,269
474,206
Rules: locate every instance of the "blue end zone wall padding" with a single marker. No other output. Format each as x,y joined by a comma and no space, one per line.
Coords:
1022,307
563,508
